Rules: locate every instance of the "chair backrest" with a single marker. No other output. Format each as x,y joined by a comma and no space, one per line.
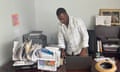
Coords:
92,42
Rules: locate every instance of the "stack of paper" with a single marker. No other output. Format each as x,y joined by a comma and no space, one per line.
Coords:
47,64
50,59
23,63
112,47
103,20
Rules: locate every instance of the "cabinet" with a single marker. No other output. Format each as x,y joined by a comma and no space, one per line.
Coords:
110,37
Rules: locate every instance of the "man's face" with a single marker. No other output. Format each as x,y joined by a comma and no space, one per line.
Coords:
63,18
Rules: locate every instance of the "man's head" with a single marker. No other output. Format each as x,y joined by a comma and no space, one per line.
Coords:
62,16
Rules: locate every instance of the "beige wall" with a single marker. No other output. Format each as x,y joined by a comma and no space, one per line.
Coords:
25,9
86,9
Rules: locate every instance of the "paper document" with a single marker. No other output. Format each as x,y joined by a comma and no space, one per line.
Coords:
103,20
46,64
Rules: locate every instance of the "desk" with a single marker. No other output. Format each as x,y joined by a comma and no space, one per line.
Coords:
81,67
61,69
73,64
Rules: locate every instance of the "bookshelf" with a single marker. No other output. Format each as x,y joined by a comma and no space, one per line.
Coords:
110,37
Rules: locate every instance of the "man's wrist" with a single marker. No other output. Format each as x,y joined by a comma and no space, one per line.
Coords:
84,52
62,52
62,49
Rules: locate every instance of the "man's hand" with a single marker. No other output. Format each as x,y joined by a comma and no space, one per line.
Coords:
63,54
84,52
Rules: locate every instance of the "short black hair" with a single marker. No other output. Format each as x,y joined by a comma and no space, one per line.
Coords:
60,10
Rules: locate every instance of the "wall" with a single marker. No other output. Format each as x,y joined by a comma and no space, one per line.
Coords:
25,9
43,13
86,9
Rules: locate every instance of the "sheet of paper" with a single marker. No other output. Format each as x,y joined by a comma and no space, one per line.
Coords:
46,64
103,20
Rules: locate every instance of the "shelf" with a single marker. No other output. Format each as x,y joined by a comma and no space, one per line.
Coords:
110,37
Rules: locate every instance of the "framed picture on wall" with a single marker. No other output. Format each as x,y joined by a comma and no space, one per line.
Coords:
114,13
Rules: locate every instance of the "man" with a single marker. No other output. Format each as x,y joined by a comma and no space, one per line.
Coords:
72,35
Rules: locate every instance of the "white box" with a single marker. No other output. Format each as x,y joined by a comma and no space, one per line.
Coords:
46,64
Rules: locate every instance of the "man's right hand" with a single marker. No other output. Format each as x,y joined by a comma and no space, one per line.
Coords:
63,54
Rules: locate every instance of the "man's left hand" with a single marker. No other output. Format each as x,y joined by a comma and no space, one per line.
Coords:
84,52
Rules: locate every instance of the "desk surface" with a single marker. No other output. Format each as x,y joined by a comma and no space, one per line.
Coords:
73,64
8,68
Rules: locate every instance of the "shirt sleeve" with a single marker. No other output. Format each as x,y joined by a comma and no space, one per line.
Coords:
61,41
84,33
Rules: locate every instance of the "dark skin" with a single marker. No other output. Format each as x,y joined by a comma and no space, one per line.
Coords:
64,19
